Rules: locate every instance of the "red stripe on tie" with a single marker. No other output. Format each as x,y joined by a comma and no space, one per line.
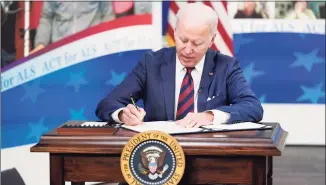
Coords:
185,106
185,81
185,93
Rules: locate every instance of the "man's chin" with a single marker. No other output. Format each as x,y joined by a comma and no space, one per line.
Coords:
189,63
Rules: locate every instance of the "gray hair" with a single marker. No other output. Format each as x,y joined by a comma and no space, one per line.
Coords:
199,13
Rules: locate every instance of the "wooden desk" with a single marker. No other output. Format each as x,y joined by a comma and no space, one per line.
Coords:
243,157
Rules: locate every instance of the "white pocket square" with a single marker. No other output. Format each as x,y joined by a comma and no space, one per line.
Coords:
209,98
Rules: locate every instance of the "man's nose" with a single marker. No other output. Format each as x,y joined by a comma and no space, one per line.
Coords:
188,49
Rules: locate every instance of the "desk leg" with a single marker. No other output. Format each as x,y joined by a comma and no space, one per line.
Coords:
259,171
77,183
270,170
56,169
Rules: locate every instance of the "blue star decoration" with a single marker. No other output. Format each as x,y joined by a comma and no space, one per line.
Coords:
76,80
36,129
116,78
32,91
250,73
262,98
307,60
240,41
312,94
77,114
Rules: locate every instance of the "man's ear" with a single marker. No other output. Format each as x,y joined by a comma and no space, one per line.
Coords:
175,33
212,40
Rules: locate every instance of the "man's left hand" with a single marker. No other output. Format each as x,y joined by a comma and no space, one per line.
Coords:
196,119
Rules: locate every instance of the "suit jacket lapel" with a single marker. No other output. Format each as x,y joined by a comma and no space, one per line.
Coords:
168,81
206,79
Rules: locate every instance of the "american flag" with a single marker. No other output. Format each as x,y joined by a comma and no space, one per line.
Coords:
223,41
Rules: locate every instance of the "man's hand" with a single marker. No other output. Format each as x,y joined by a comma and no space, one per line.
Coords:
196,119
37,48
131,116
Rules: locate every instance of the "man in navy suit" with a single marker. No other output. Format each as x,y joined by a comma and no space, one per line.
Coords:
189,83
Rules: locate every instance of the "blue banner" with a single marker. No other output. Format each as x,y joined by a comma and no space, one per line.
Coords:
72,93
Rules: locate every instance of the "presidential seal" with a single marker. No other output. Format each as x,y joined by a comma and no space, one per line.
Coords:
152,158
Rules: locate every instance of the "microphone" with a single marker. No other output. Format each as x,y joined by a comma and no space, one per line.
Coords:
201,89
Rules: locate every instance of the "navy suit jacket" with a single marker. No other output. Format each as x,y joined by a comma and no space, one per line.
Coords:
153,81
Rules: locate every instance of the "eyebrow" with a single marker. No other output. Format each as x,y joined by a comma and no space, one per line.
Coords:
195,41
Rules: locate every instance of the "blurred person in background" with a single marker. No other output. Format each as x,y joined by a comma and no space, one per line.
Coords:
61,19
8,10
248,11
125,8
301,11
318,8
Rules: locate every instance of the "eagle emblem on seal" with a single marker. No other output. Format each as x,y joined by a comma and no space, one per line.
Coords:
152,162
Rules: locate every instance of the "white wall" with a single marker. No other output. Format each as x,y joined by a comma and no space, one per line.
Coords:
304,122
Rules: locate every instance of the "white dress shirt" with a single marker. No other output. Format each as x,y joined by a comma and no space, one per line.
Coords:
219,116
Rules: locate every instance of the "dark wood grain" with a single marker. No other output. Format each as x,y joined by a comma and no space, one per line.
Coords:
259,172
298,165
77,183
218,170
242,157
93,168
269,170
261,142
56,169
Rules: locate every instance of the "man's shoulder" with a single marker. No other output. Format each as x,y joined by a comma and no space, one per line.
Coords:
220,57
160,55
161,52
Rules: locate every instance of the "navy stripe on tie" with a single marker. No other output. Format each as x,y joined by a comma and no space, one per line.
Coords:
186,96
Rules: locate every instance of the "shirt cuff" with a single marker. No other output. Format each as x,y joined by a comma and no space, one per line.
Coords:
220,117
115,115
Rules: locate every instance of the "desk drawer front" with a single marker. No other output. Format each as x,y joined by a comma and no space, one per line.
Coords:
95,168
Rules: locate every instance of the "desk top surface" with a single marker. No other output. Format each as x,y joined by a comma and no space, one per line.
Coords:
269,142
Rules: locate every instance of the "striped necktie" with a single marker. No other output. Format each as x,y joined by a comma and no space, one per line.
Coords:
186,96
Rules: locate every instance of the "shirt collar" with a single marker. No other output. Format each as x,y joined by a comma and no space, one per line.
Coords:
199,67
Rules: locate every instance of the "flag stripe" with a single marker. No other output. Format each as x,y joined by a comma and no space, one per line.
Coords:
221,28
219,42
171,32
223,17
225,5
174,7
172,18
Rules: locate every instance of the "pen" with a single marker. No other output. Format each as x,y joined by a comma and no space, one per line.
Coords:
133,102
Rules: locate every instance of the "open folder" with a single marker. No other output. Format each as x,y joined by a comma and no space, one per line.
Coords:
171,127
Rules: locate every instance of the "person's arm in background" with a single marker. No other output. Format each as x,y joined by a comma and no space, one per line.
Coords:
245,106
44,29
117,107
106,9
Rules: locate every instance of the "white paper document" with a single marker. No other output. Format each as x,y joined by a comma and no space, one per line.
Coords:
90,123
237,126
171,127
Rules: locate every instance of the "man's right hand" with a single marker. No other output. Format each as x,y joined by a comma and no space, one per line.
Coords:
37,48
131,116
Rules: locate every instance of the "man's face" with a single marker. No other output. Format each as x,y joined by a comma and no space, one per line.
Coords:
301,6
249,7
192,42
